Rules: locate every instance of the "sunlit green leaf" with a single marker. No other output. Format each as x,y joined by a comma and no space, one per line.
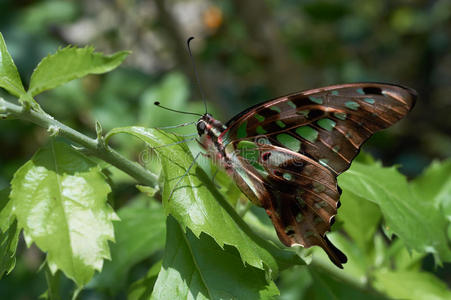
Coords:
9,234
59,198
434,185
360,217
417,222
197,268
411,285
71,63
9,77
197,204
140,234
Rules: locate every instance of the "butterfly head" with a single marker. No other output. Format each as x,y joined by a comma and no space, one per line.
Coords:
203,124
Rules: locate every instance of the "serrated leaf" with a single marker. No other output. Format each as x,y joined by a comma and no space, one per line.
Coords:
9,77
140,233
70,63
142,288
187,271
434,185
411,285
360,217
9,235
59,199
196,204
417,222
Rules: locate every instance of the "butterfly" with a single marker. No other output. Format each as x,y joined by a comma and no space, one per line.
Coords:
285,154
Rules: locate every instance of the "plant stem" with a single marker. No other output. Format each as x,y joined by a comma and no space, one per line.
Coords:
96,147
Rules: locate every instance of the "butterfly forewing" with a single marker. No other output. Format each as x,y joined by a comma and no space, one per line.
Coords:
286,153
328,124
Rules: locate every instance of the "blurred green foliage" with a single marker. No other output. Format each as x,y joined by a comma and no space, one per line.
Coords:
247,52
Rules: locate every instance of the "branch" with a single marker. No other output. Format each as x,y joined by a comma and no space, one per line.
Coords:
96,147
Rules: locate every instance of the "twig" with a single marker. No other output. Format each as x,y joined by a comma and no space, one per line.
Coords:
96,147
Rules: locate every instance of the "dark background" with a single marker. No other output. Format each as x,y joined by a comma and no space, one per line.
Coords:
246,52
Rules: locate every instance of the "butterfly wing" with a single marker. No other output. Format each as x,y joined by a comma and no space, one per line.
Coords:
287,152
327,124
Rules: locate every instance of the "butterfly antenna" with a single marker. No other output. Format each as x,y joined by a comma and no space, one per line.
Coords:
174,110
183,176
195,72
176,126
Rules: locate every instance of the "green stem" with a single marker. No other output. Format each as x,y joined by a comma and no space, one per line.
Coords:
96,147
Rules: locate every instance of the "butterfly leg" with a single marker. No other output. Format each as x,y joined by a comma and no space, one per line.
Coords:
183,176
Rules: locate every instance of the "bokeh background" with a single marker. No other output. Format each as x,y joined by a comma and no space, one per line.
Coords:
246,52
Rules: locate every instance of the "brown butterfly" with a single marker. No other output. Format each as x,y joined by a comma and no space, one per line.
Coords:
285,154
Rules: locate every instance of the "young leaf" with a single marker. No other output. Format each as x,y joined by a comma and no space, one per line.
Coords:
187,271
9,235
417,222
196,203
360,217
140,234
9,77
70,63
434,185
411,285
59,198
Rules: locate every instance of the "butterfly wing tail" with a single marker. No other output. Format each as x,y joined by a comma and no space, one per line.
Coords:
335,255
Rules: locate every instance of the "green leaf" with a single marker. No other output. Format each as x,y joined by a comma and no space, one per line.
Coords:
196,203
417,222
9,77
327,287
59,198
188,273
9,235
434,185
140,234
142,289
70,63
411,285
360,218
53,285
147,190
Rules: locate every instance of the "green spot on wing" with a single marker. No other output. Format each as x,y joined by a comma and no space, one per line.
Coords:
287,176
369,100
275,108
307,133
324,162
280,124
290,142
340,115
303,113
352,105
360,91
241,132
318,100
327,124
259,118
291,104
249,151
260,130
335,93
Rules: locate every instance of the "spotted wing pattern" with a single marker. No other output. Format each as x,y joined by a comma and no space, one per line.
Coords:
287,152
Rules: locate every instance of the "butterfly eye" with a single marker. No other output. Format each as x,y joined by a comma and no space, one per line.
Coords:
266,155
201,128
